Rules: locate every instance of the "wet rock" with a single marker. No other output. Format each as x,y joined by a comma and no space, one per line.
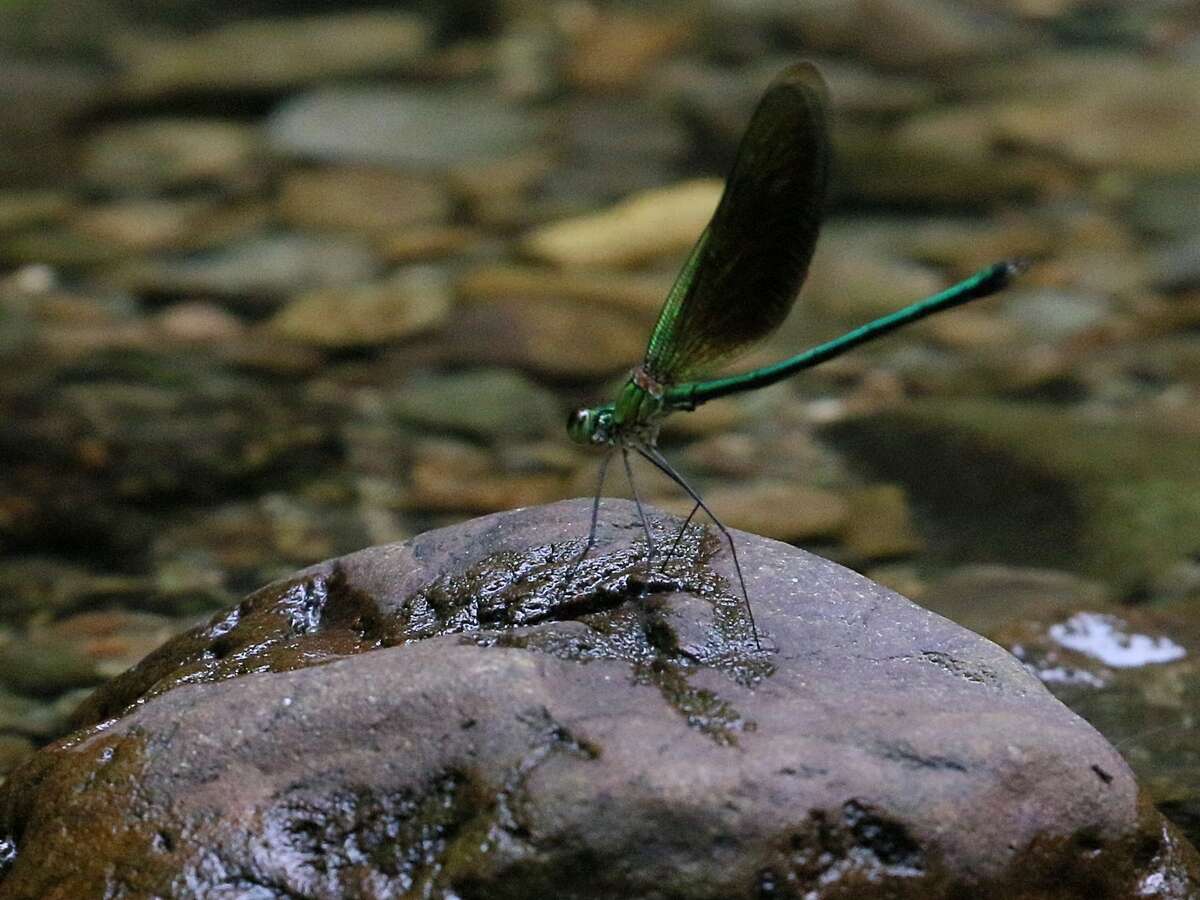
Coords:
540,728
147,225
422,127
43,586
228,548
365,200
412,300
1062,490
448,476
14,750
427,242
1176,267
45,665
947,156
1137,117
272,54
157,154
21,209
537,335
85,462
782,510
485,404
985,597
652,224
41,100
637,292
879,524
858,273
262,268
1132,672
1166,205
617,48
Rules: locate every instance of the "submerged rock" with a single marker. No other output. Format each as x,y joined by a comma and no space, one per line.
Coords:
469,715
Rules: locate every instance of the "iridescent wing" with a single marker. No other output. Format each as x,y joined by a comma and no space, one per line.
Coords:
741,279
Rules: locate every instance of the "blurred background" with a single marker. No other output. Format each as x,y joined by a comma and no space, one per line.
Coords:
279,281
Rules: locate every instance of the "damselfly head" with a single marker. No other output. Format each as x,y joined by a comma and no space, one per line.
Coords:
591,425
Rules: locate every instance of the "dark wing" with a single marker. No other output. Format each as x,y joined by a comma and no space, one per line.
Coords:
739,283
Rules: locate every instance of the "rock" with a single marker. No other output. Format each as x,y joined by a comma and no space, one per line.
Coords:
1131,671
158,154
488,404
448,476
1133,118
114,640
1059,489
441,716
22,209
33,586
14,750
412,300
637,292
423,127
421,243
199,323
45,665
369,201
1176,267
1165,205
779,509
651,224
986,597
536,335
879,524
273,54
42,98
263,268
145,225
857,274
615,49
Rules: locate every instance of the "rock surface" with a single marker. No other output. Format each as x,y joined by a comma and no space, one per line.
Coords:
441,718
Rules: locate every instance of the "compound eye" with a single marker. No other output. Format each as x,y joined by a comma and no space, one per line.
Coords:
579,426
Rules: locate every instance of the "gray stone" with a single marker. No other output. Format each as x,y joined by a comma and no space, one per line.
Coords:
469,715
267,267
273,54
422,127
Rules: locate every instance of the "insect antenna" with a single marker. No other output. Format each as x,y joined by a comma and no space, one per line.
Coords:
660,462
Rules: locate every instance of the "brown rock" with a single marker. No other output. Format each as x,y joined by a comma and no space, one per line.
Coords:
372,201
166,153
651,224
448,717
879,525
412,300
269,54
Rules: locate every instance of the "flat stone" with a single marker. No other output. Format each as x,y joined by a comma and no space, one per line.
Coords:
272,54
647,225
1135,117
265,268
486,404
538,335
365,200
448,715
425,127
156,154
410,301
638,292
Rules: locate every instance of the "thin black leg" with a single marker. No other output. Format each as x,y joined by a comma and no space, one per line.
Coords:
660,462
